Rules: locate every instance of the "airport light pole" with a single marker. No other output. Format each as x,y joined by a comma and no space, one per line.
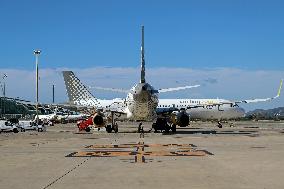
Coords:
4,94
3,111
37,53
53,94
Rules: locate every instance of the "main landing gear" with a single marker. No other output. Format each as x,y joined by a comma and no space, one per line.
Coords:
113,126
110,128
162,125
219,124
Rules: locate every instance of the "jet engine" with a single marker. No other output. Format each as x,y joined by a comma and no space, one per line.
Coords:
97,120
180,118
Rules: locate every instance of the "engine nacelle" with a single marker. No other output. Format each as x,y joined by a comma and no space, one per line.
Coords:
180,118
97,120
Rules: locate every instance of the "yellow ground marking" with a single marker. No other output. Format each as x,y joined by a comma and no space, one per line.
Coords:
140,150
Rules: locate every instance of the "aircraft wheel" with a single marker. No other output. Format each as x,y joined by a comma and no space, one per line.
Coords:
115,128
167,129
154,126
219,124
108,128
88,129
23,130
174,128
39,130
15,130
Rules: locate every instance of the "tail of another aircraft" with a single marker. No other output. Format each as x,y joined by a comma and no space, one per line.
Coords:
142,80
77,93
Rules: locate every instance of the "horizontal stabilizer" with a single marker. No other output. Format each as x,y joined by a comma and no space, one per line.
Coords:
111,89
177,88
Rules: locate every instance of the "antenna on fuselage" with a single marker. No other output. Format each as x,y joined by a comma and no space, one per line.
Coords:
142,80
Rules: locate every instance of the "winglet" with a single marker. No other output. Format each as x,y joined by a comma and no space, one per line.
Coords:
280,87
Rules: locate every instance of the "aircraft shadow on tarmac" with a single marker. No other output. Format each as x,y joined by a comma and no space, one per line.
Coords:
215,132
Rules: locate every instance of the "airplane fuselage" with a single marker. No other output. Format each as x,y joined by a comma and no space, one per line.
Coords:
203,110
224,113
145,105
141,102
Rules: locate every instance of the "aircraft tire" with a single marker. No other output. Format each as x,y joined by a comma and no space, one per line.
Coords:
115,128
167,128
88,129
174,128
15,130
154,126
108,128
219,124
23,130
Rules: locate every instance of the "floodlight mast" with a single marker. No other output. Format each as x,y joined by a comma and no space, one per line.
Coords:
37,53
3,112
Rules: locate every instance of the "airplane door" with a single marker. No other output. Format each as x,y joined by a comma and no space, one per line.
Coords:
174,106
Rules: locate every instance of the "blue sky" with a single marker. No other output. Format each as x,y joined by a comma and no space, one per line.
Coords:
238,44
195,34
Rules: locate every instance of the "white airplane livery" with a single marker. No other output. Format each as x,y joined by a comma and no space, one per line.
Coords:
212,109
140,104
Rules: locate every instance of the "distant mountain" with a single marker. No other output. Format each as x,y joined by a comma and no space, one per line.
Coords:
276,113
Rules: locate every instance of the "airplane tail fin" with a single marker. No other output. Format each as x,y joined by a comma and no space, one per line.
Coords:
77,93
142,80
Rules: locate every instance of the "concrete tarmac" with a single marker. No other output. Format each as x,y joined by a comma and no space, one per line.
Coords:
247,155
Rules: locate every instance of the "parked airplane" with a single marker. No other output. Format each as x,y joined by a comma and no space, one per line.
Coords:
140,103
212,109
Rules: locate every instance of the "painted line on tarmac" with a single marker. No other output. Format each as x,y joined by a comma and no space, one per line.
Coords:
59,178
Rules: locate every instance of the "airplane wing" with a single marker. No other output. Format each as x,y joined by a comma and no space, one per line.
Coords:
251,100
263,99
176,88
160,90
